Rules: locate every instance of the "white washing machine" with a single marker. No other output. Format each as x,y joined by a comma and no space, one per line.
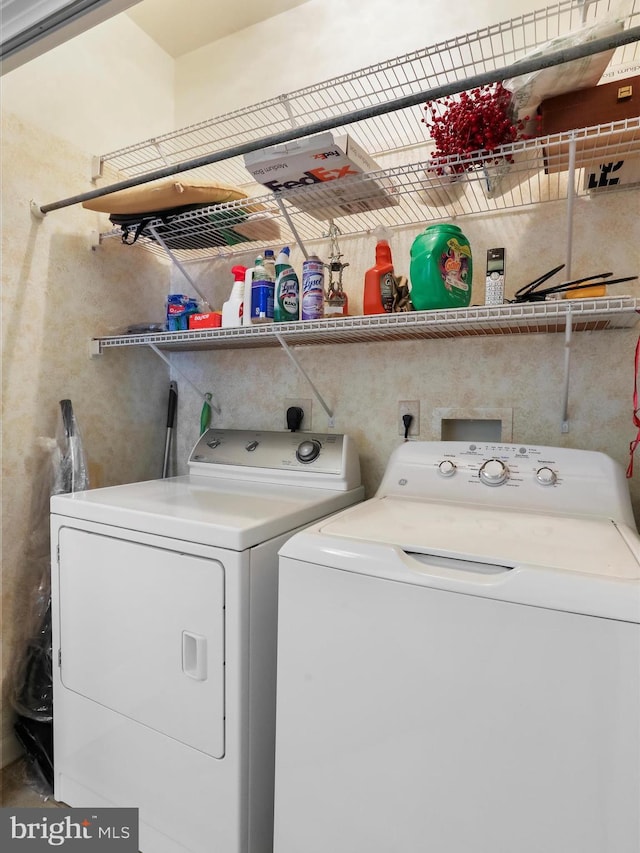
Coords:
164,596
459,661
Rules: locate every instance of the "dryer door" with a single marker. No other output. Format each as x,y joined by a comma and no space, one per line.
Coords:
142,633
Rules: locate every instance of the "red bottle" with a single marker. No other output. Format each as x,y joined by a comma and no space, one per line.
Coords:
378,282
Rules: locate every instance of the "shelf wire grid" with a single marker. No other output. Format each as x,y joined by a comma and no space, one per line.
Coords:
518,175
449,61
524,318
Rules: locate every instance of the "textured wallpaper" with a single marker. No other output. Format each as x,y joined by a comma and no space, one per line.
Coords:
57,292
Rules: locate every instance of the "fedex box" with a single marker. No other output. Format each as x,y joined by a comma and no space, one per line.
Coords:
334,167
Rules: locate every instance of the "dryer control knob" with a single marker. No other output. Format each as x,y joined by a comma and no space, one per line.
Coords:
546,476
447,468
251,446
308,450
494,472
215,442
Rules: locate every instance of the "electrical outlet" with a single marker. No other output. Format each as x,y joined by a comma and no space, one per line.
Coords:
305,405
409,407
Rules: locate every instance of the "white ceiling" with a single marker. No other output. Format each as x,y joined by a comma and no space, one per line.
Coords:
180,26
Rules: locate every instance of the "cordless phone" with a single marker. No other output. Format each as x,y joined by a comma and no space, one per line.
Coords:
494,289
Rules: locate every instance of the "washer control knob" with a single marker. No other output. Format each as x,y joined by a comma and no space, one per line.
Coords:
308,450
447,468
251,446
215,442
494,472
546,476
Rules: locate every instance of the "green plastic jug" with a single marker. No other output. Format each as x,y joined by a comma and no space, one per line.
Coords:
441,269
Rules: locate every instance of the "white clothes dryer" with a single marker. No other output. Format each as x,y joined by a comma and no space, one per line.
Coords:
164,599
459,660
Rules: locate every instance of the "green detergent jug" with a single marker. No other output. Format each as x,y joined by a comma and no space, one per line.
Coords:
441,269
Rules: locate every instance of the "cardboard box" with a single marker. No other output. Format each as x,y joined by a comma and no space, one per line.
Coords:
210,320
597,105
335,167
617,172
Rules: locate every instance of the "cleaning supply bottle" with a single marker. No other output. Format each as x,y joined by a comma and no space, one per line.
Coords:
312,301
259,287
270,263
441,268
232,309
286,305
378,282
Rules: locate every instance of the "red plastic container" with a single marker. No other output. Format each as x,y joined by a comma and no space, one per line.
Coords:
378,282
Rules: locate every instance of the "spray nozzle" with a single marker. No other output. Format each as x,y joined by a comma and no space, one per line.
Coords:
238,273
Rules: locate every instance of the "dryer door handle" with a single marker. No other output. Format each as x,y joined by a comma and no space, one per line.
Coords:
194,655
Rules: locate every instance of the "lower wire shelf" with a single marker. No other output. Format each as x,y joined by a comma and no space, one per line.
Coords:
510,319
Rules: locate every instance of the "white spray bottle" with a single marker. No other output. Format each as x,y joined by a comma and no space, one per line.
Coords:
232,310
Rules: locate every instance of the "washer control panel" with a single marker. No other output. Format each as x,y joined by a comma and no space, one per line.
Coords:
510,475
504,465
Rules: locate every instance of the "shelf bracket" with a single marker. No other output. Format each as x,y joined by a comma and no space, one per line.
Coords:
571,195
206,398
36,210
301,369
286,102
177,263
96,169
567,364
293,228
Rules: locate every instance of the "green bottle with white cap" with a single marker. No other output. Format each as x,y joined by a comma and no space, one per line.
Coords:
441,268
286,306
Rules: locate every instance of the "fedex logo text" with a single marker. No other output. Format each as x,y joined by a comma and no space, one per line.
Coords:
313,176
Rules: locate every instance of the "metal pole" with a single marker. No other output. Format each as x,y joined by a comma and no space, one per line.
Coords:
523,66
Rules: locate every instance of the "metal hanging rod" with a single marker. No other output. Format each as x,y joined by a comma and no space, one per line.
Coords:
523,66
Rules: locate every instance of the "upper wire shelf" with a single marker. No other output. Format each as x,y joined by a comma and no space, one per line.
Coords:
525,173
399,141
449,61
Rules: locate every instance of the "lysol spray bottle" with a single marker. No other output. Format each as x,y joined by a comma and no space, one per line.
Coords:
287,299
312,289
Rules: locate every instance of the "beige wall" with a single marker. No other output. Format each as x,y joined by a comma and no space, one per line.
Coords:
317,41
57,293
103,90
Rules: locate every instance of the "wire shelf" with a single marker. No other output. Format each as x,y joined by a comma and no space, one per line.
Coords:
453,60
519,175
523,318
407,191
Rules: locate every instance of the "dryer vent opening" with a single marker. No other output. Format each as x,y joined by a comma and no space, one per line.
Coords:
471,429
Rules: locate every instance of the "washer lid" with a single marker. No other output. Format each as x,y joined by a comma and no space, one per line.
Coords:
499,537
565,563
224,513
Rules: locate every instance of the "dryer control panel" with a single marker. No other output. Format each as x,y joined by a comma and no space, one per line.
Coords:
521,476
317,460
